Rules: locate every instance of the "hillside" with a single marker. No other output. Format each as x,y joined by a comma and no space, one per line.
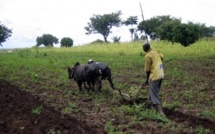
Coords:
187,91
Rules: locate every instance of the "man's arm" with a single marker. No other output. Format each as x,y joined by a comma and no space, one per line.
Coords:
147,77
147,68
146,82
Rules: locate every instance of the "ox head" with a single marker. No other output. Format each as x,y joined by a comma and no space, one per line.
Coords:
71,72
77,64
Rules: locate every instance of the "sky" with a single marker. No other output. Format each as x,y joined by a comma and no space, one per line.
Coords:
29,19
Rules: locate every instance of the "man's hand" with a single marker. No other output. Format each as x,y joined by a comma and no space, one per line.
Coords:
146,82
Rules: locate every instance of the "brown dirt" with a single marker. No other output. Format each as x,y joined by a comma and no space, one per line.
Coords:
16,107
16,115
191,120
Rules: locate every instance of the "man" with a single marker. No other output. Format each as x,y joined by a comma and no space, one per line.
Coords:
154,75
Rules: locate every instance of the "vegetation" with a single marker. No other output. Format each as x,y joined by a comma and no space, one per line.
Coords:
37,110
132,20
66,42
164,28
150,27
98,41
187,91
5,33
46,40
116,39
185,34
172,29
103,24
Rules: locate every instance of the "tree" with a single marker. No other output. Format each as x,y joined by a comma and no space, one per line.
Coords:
46,40
175,31
205,31
116,39
165,31
211,31
150,27
5,33
103,24
132,20
171,29
185,34
66,42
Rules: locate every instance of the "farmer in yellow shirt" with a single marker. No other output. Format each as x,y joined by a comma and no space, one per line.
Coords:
154,75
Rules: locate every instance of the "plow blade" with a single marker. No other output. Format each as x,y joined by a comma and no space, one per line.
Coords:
132,96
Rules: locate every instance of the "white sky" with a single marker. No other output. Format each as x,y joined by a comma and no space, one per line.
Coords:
67,18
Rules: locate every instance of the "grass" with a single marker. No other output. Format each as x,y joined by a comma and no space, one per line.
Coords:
188,85
69,108
37,110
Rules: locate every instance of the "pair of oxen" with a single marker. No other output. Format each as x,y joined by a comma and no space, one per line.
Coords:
92,74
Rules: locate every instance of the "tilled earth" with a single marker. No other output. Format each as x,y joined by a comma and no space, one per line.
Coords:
17,116
19,112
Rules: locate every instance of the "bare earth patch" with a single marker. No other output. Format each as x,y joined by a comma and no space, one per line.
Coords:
16,115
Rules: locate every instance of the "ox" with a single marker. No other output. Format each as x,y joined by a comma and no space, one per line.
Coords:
84,73
104,72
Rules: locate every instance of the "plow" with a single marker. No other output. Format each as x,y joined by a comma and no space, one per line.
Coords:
131,96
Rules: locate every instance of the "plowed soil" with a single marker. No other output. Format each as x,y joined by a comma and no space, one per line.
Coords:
16,115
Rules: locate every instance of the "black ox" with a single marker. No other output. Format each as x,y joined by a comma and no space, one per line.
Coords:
85,73
104,72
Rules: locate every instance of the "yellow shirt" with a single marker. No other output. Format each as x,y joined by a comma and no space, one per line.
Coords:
153,63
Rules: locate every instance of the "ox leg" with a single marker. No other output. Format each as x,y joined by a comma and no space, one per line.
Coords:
79,85
90,87
85,86
93,85
99,85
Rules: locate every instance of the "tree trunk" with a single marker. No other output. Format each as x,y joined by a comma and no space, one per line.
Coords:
105,39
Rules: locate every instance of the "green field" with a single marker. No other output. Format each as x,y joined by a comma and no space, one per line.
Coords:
187,91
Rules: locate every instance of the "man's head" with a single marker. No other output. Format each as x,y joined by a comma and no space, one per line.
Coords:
146,47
